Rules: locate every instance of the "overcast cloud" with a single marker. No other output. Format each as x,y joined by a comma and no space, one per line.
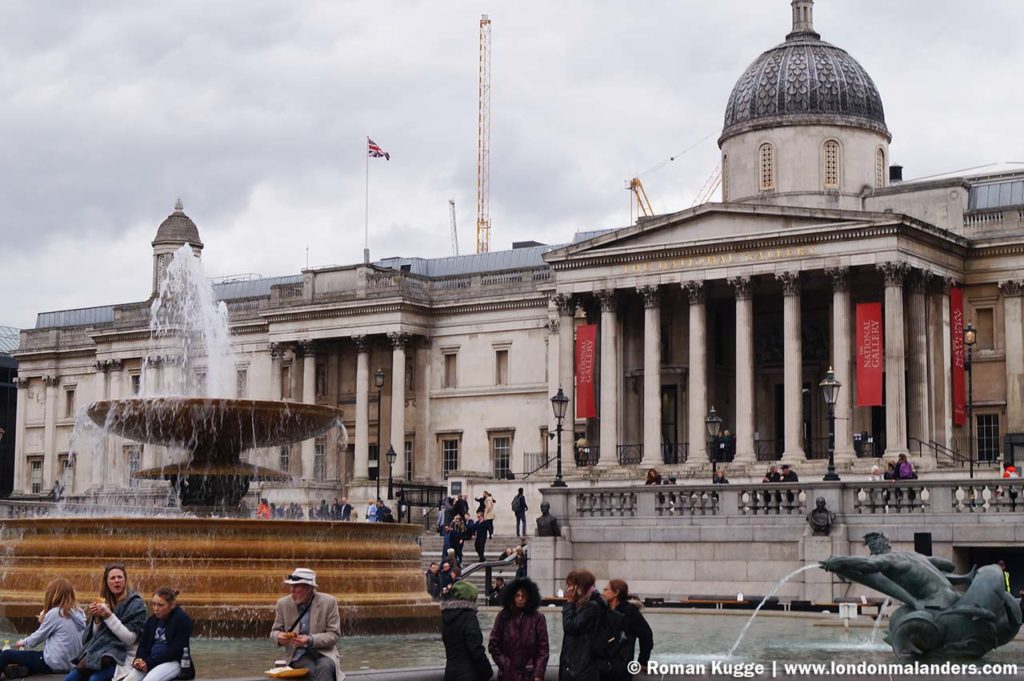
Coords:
255,112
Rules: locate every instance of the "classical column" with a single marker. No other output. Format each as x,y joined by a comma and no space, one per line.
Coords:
307,350
943,368
566,372
1014,347
50,432
919,425
652,376
362,443
697,383
20,483
842,361
895,359
744,370
99,394
112,453
399,341
276,351
793,362
609,378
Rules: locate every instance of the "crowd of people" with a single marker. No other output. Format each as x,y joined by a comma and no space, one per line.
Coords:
339,510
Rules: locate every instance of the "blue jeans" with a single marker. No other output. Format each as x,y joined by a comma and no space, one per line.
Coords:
32,659
101,675
521,518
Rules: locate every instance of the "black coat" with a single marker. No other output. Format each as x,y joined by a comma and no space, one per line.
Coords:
576,663
433,584
178,632
465,659
637,629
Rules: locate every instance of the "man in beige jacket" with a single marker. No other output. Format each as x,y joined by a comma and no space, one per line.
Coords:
307,624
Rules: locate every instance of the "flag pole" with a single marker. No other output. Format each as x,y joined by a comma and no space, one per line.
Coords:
366,212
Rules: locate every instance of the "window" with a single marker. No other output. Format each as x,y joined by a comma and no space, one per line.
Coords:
285,458
766,167
449,455
66,468
501,456
408,459
450,377
69,402
319,458
879,168
136,384
986,328
373,456
133,455
725,178
988,437
830,163
241,383
35,467
286,382
321,379
501,367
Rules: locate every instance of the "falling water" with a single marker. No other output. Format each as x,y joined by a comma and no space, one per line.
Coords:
191,327
771,593
878,620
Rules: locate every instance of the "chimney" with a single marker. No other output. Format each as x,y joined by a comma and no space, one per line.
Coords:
895,174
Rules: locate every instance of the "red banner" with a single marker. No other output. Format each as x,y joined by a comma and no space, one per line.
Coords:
870,354
586,357
956,332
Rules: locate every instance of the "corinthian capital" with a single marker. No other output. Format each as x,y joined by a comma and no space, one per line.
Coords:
563,301
398,339
695,290
840,277
1012,287
894,272
790,283
607,299
741,287
650,295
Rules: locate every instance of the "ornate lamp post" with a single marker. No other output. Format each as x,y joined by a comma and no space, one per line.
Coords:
559,403
378,380
392,455
713,422
970,338
830,391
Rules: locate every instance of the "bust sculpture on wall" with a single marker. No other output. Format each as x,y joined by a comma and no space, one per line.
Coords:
547,524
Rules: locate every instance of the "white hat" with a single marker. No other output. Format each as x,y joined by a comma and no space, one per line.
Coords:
301,576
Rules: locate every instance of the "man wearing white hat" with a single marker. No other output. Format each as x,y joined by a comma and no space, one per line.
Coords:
307,624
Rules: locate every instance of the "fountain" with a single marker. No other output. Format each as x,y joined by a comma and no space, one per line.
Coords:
229,571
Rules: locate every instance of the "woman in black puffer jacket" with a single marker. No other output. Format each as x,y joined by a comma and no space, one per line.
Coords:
580,617
465,659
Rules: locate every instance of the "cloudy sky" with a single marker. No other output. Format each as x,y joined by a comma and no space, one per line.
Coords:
256,112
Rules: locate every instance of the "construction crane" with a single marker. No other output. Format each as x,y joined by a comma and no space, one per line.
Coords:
455,232
638,201
709,187
483,141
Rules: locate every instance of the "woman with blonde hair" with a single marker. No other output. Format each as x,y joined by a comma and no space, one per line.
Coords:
60,631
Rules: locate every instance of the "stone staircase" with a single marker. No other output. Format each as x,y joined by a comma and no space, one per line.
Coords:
431,544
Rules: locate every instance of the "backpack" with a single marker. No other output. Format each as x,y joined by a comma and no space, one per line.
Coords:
609,634
519,504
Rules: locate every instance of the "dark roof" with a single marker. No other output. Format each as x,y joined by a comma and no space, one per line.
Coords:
84,316
178,228
519,258
10,338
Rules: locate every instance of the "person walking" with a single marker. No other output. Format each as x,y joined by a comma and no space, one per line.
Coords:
61,624
465,658
519,638
114,624
636,628
307,624
479,533
489,513
581,615
163,653
519,508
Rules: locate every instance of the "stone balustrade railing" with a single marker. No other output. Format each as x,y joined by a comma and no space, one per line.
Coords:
919,497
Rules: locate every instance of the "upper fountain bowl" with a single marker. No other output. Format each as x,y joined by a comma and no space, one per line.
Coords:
215,430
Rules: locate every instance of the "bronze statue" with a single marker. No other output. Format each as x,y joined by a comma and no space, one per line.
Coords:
936,618
547,524
821,519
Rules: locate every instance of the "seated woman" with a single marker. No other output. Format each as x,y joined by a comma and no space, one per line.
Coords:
60,631
653,477
110,634
164,642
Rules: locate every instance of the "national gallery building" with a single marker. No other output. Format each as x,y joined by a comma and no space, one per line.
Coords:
818,256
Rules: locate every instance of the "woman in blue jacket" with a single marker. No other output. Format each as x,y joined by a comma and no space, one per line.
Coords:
61,624
163,647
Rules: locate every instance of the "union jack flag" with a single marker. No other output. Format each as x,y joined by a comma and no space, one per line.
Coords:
375,151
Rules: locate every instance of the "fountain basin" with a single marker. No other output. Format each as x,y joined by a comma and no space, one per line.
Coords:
229,572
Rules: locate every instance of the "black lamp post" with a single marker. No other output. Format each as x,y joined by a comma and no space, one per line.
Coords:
830,391
378,380
713,422
392,455
559,403
970,338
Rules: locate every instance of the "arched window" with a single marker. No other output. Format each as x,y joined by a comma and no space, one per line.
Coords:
766,167
830,164
879,167
725,178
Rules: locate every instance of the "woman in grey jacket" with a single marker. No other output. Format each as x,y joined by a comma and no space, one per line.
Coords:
60,631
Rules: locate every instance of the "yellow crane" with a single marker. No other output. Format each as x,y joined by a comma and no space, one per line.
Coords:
639,204
709,187
483,141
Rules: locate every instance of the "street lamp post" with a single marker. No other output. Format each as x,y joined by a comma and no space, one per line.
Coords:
392,455
970,338
378,380
713,422
558,405
830,391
